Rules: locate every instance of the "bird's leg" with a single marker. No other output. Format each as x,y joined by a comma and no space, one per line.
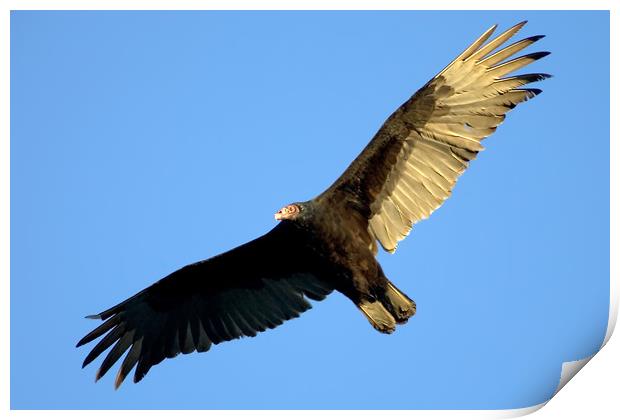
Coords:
378,316
370,296
399,304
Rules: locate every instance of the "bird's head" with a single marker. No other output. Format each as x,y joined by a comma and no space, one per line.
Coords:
290,212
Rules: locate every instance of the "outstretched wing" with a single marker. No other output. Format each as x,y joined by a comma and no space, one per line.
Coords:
247,290
411,165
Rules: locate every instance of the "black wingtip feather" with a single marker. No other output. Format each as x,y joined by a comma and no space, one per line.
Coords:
115,353
539,55
105,342
86,339
93,317
99,331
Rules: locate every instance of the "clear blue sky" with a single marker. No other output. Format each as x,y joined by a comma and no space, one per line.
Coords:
143,141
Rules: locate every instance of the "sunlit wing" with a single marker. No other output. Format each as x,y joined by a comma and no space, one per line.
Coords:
411,165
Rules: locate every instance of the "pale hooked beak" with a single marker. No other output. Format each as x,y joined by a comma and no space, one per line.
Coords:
278,216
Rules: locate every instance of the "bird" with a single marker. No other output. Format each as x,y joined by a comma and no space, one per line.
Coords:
330,243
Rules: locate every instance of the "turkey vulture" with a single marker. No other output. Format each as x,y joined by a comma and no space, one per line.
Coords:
330,242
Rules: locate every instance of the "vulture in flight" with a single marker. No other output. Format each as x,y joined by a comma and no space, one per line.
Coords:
330,242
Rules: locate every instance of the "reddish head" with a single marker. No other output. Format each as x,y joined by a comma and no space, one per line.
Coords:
288,212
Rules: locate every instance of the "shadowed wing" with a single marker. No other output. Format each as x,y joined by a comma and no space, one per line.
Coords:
247,290
411,165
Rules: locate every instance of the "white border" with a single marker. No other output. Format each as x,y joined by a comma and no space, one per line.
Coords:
302,5
595,384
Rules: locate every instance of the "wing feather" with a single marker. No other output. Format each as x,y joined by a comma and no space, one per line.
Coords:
267,281
117,351
411,165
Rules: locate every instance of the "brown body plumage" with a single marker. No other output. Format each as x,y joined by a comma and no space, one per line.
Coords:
329,243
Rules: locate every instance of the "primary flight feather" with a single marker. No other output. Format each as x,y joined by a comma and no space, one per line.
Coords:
329,243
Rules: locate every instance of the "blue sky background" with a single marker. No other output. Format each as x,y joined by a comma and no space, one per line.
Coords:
143,141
